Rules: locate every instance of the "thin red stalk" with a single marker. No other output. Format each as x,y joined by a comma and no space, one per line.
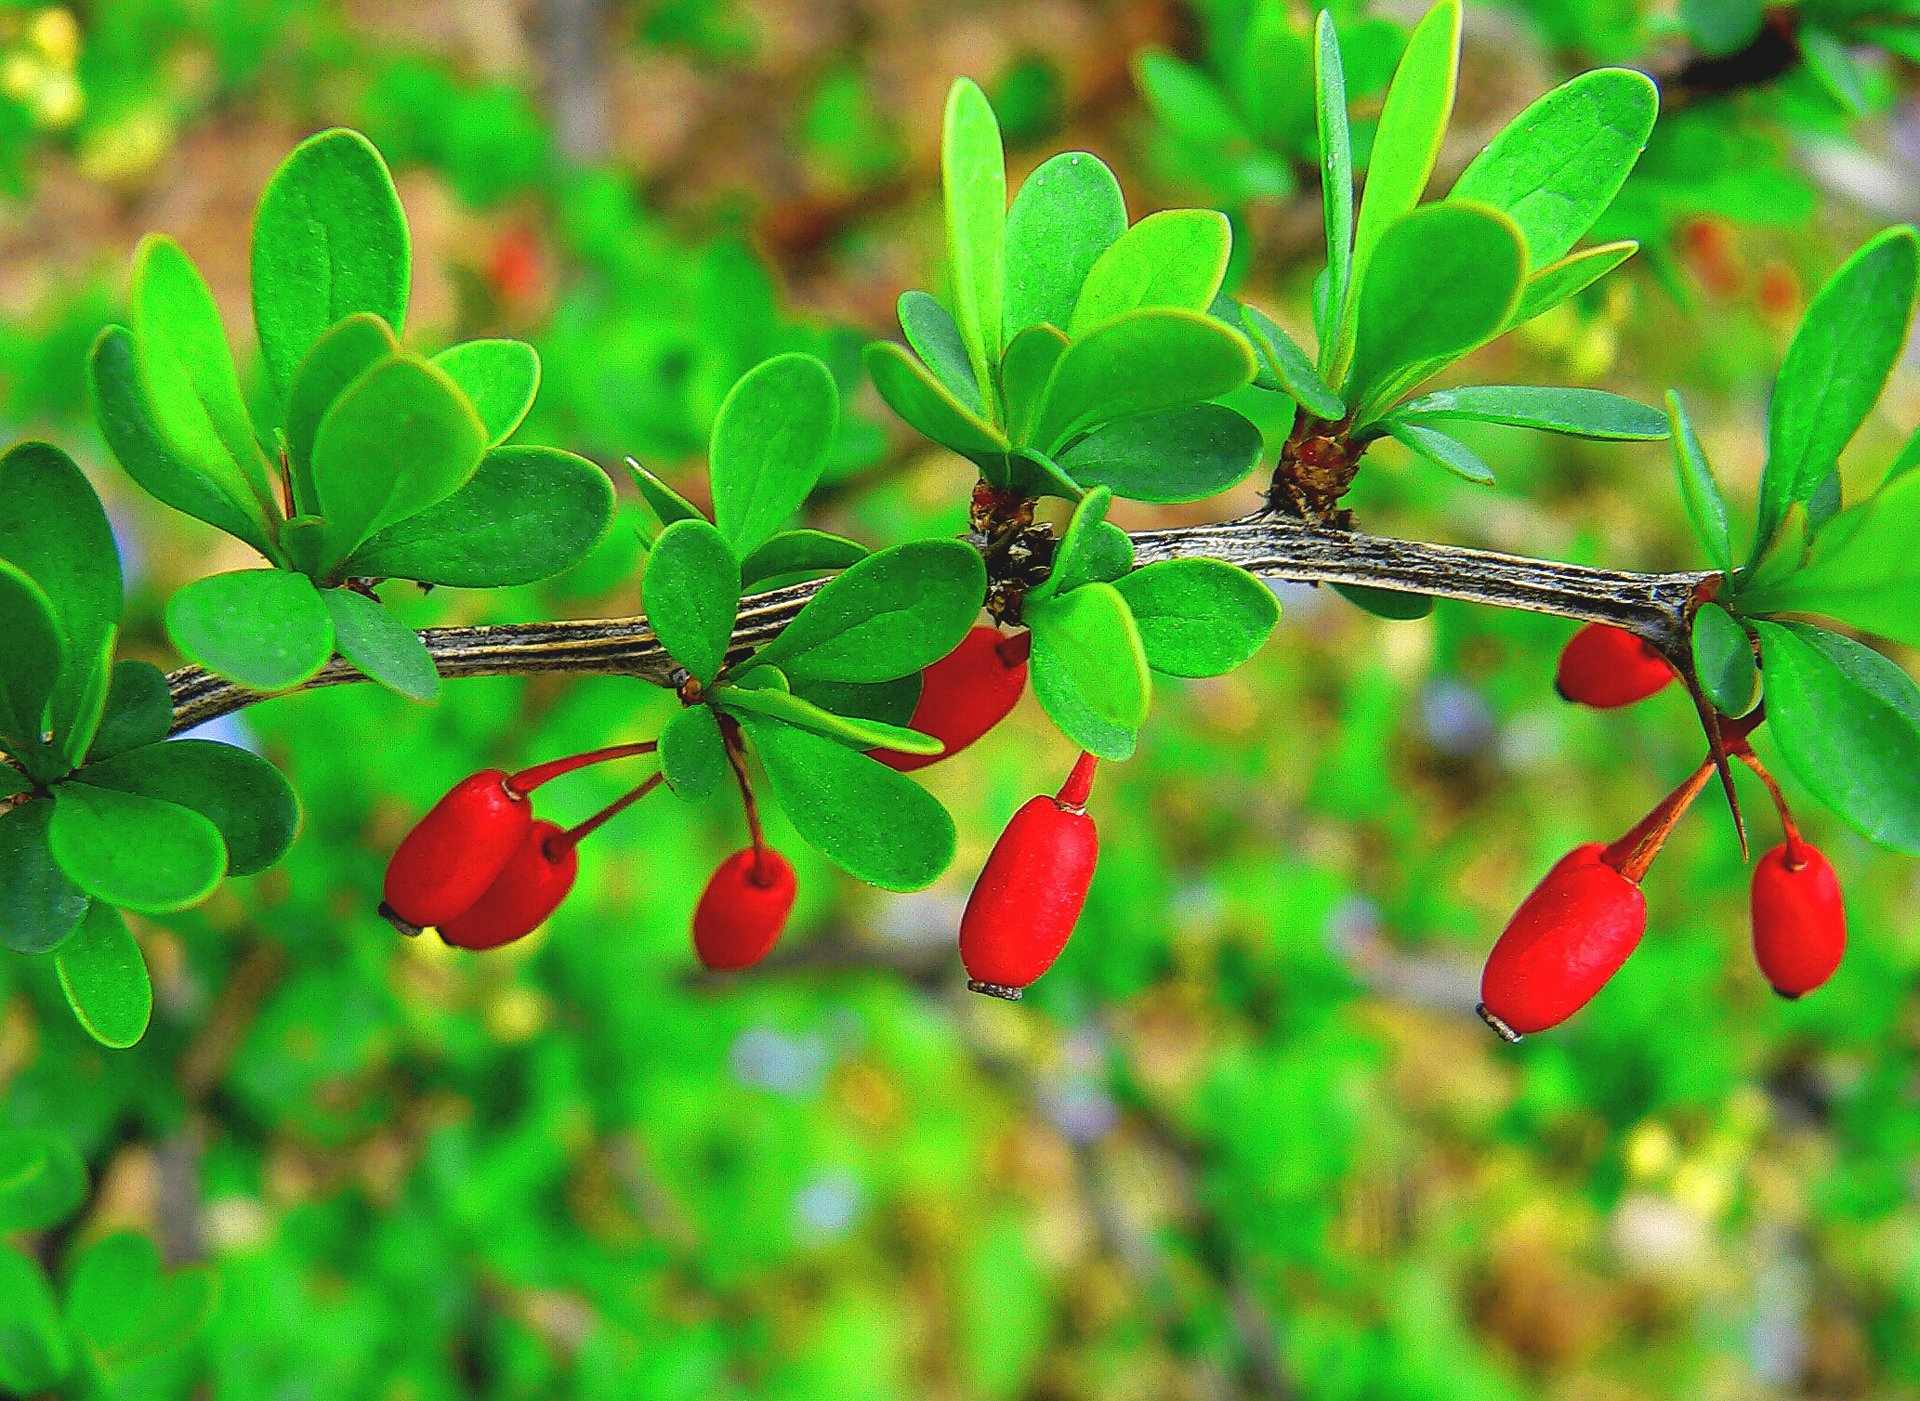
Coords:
1634,853
1796,846
737,761
527,780
573,836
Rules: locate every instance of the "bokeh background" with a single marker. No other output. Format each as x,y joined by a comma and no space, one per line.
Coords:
1247,1139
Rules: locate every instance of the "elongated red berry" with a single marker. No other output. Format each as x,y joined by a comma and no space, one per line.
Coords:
528,889
743,909
1031,890
1563,943
1607,667
1799,921
965,694
450,858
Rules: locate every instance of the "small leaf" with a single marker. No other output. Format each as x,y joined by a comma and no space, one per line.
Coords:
1438,447
877,825
42,904
800,552
31,663
248,800
141,853
1558,282
1699,491
691,592
935,337
770,440
526,515
927,406
1723,661
34,1351
1025,373
1386,603
501,379
1863,569
382,646
974,181
1184,454
1336,182
1290,367
1834,68
126,1313
1089,636
1722,26
894,612
341,355
1145,362
1037,475
263,628
1579,413
1176,258
42,1180
693,756
1198,617
856,732
105,979
666,504
329,240
1087,550
1067,213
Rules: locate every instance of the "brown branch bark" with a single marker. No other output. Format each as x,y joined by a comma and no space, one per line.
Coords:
1657,607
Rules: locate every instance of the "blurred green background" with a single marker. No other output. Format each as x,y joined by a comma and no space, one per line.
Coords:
1247,1139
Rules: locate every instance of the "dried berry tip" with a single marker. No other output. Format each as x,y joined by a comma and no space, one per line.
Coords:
999,990
1078,788
1500,1028
392,916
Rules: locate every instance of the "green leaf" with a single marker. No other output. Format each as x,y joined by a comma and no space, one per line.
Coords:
139,710
402,438
1722,26
1198,617
877,825
1442,281
891,702
31,663
1145,362
1438,447
125,1312
1176,258
693,756
926,405
382,646
666,504
187,371
1089,551
42,1180
263,628
1548,287
1336,181
935,337
691,592
1557,166
1290,367
500,379
894,612
974,181
854,731
1184,454
210,493
142,853
1699,491
526,515
329,240
1067,213
800,552
248,800
770,440
1863,570
1579,413
1024,375
1387,603
1038,475
42,905
1723,661
53,529
341,355
1826,57
34,1351
1847,722
1835,369
1188,102
1090,635
105,979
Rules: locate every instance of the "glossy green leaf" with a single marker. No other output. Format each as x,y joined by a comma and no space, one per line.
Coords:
855,731
138,711
1025,373
770,440
134,851
797,552
42,905
1290,367
1723,661
329,240
691,593
891,702
894,612
1198,617
1088,550
1579,413
1175,258
1336,181
402,438
1184,454
263,628
1549,286
31,663
248,800
1036,474
105,979
1847,722
926,405
1835,369
500,378
382,646
666,504
42,1180
1387,603
1067,213
1145,362
1556,167
974,181
526,515
341,355
1089,669
34,1352
693,756
1864,568
1699,490
935,337
877,825
1449,452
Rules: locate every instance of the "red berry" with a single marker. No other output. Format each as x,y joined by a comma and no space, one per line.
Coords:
515,265
743,909
965,694
1606,667
449,859
1563,943
1799,922
1031,890
530,887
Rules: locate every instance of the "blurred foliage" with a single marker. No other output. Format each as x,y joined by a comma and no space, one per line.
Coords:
1247,1138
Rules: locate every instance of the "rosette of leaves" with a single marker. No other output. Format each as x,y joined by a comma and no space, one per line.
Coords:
122,1325
838,680
1845,719
97,813
366,460
1077,351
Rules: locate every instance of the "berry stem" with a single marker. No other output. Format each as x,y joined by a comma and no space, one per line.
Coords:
737,761
527,780
573,836
1796,846
1078,788
1634,853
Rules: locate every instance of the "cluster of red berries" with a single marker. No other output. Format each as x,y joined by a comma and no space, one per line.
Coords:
1587,915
